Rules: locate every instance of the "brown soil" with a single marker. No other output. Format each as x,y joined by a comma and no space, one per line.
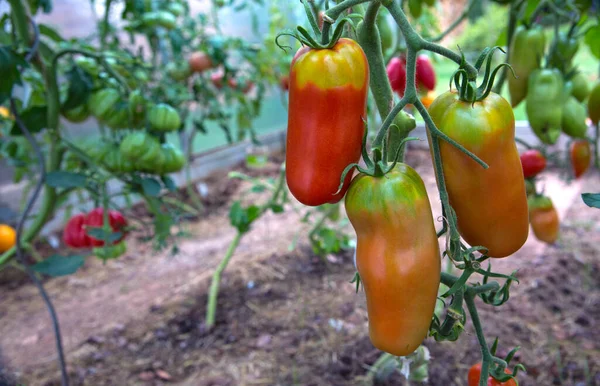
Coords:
285,317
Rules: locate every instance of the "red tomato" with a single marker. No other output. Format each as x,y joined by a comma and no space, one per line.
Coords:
199,61
95,219
581,156
533,163
217,79
475,373
328,100
74,233
396,72
425,73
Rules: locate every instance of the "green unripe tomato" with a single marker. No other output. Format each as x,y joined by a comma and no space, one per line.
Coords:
141,75
174,158
159,19
110,251
581,88
139,146
179,71
77,114
118,118
176,9
163,117
137,102
88,65
102,102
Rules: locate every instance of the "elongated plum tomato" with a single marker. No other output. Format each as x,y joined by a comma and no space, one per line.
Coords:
490,204
397,256
544,219
581,156
328,100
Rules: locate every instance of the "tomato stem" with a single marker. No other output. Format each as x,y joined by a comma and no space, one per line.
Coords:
211,306
485,351
369,39
335,11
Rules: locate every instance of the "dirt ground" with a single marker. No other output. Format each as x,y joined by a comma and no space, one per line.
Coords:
287,318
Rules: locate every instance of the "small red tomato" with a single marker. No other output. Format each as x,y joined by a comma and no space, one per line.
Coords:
425,73
581,156
396,72
217,79
95,219
245,87
199,61
475,373
533,163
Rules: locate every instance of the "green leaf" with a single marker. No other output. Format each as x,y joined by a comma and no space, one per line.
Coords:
237,216
531,6
57,265
258,188
502,40
108,236
80,87
35,119
591,199
169,183
62,179
46,6
276,208
241,218
253,213
9,60
151,187
50,32
592,39
256,160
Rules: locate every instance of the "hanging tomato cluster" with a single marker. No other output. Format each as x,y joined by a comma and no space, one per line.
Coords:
137,143
81,232
397,253
554,95
543,217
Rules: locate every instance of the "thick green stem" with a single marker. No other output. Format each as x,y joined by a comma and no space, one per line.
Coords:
370,41
510,31
104,28
596,145
538,10
485,351
20,20
211,308
336,11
